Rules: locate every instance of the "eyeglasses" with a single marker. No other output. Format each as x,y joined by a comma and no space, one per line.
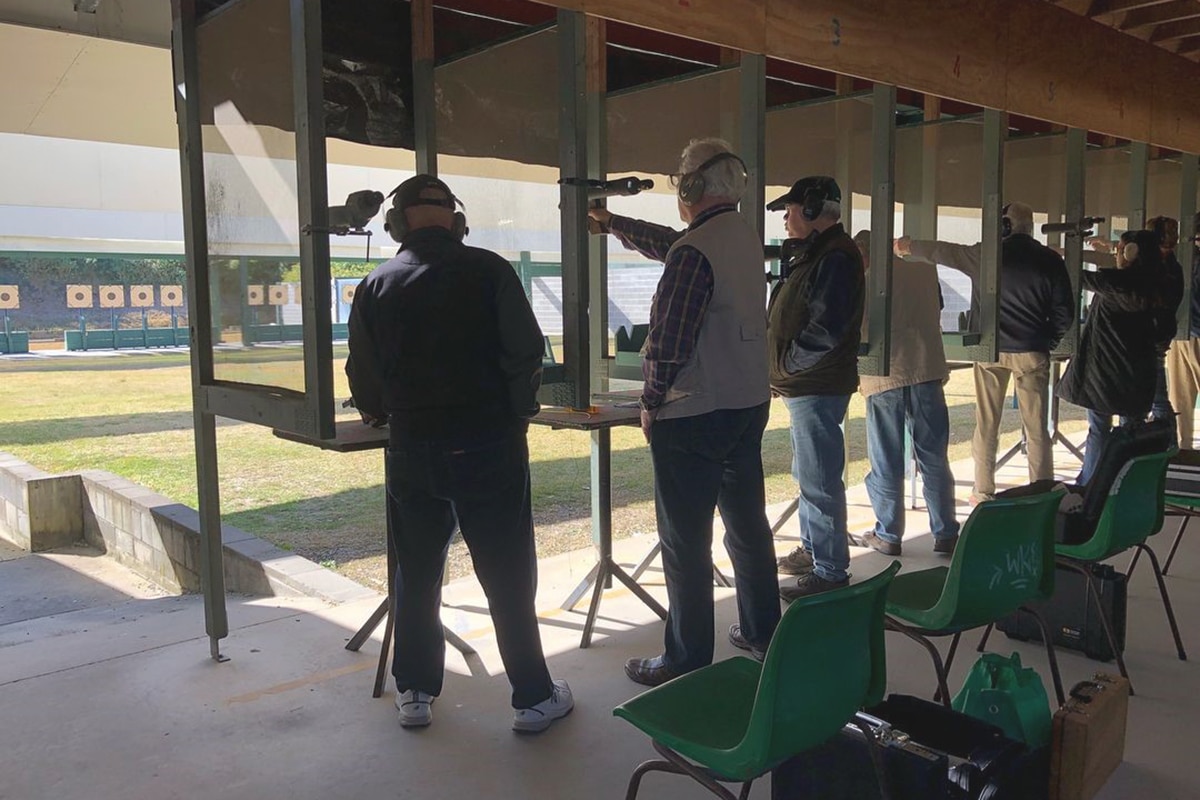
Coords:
674,178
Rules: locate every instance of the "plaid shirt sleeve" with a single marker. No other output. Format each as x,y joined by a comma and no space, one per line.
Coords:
652,241
676,312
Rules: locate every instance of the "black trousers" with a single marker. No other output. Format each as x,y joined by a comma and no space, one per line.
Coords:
479,484
701,464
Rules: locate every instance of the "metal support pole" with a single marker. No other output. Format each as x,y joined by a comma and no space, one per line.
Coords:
1187,229
573,203
1139,166
424,87
200,317
989,269
752,138
248,315
883,203
1074,203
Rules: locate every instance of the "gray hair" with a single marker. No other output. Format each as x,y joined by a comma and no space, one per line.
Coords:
726,179
831,211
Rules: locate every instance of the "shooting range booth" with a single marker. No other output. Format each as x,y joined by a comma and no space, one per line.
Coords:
931,116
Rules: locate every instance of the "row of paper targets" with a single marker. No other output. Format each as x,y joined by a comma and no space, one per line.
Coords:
271,295
277,294
84,296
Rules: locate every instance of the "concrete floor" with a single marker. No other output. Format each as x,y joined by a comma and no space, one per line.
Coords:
106,690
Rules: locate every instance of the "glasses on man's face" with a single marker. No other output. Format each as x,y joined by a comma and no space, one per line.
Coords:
674,178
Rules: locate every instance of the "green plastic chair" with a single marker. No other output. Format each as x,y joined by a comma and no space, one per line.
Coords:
1132,513
737,719
1004,561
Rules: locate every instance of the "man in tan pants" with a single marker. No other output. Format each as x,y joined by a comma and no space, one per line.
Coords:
1183,359
1036,309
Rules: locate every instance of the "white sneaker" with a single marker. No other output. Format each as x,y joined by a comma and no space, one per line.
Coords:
414,708
538,718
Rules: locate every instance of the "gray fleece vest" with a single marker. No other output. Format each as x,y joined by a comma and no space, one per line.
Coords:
728,369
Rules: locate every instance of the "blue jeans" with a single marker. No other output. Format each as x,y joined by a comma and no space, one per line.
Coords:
922,409
1099,428
479,484
703,463
818,461
1161,407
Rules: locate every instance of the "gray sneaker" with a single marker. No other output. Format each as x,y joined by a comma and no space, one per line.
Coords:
414,708
797,562
537,718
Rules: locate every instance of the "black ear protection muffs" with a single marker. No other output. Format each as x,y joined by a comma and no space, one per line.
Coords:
1006,226
692,184
814,200
396,223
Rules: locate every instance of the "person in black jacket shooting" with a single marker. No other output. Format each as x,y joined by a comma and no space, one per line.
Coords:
1112,373
1036,309
444,346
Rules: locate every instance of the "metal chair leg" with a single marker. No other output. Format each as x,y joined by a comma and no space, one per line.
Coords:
953,650
1175,545
1133,562
1162,588
943,692
1050,655
654,765
698,774
983,641
1104,621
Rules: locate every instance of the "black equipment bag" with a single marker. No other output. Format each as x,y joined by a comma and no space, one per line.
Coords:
930,752
1071,615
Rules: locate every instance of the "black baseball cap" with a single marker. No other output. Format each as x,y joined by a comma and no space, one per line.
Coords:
822,184
408,193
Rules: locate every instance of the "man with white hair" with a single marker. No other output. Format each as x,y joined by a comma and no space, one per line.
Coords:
1036,309
705,403
814,327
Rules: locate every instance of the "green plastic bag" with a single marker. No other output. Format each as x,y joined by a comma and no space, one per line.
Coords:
1002,692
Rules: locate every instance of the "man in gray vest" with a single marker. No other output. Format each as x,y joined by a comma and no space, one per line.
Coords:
705,405
814,329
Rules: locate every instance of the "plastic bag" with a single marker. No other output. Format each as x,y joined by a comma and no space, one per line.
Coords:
1011,697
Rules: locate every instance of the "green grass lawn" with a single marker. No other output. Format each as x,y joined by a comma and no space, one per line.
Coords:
131,415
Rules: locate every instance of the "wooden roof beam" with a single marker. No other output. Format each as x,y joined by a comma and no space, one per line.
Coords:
1176,30
1189,46
1159,14
1101,7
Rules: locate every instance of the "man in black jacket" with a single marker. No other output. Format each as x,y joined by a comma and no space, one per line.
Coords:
1036,309
445,348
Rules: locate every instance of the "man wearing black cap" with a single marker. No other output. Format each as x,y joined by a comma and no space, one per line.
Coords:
445,349
814,322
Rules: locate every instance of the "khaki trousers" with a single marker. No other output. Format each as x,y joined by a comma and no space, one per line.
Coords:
1183,378
1032,374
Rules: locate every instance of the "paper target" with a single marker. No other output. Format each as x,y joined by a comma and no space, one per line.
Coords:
348,292
254,295
10,297
112,296
277,295
141,296
79,296
172,296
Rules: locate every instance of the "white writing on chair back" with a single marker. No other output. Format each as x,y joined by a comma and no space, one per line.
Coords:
1022,566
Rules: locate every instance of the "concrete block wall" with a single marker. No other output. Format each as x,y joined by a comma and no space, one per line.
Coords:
151,534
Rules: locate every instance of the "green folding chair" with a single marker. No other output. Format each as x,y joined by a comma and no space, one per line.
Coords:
1003,562
1132,513
736,720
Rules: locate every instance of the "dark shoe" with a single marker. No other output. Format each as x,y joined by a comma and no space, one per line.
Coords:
737,640
650,671
945,545
871,539
810,584
797,562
